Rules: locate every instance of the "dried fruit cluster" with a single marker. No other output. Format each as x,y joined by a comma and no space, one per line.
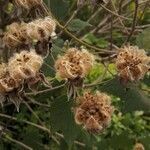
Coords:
74,64
19,34
94,111
132,63
27,4
138,146
20,67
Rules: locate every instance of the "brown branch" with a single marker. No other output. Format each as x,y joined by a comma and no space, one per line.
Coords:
134,21
46,90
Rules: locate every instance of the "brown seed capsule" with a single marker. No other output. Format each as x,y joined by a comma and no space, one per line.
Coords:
132,63
24,65
19,34
138,146
15,35
74,63
27,4
94,112
41,29
7,83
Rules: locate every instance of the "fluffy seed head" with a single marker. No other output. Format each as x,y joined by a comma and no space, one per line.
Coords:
138,146
15,35
27,4
24,65
7,83
18,34
74,63
41,29
3,70
94,111
132,63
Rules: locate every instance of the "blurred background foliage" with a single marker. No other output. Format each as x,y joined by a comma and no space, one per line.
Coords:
46,121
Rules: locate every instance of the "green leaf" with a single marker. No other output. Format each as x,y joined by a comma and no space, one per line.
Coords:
32,138
77,24
117,142
133,98
59,8
62,119
102,43
143,40
92,39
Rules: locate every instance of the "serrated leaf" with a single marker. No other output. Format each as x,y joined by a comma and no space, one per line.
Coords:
62,119
143,39
133,98
77,24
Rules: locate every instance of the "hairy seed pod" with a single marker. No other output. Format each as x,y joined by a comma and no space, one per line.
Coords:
138,146
41,29
19,34
7,83
94,112
24,65
132,63
74,64
15,35
27,4
3,70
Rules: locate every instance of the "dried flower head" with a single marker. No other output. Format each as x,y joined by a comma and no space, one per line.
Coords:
138,146
94,111
27,4
3,70
41,29
74,64
15,35
7,83
24,65
132,63
19,34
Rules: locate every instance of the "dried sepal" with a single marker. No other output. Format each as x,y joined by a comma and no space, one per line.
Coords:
132,63
94,111
74,64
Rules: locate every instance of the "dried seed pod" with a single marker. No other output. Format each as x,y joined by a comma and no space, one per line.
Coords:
74,64
24,65
3,70
7,83
27,4
138,146
94,112
132,63
41,29
19,34
15,35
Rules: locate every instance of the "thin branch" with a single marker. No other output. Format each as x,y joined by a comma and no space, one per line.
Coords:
115,13
134,21
46,90
37,126
24,146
